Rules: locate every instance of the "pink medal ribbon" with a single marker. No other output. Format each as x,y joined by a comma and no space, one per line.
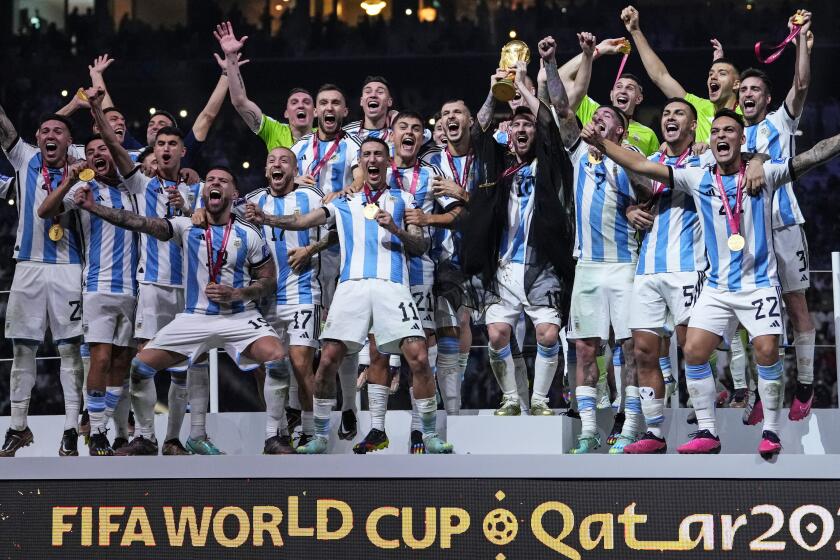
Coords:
214,266
736,240
778,49
658,188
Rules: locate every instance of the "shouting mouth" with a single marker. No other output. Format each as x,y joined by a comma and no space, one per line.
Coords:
373,173
100,165
723,148
215,194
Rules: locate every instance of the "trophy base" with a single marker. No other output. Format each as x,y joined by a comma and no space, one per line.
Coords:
504,90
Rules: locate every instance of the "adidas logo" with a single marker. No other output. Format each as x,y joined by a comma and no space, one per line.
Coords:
304,335
415,326
775,324
804,278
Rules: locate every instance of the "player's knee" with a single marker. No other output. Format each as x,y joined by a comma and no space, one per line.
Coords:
178,378
695,353
585,352
547,334
451,332
278,369
141,370
498,336
646,353
766,349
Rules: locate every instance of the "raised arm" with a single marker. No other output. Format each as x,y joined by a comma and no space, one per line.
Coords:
567,122
247,109
653,64
485,114
630,160
205,119
158,228
7,130
53,205
529,98
97,80
121,157
795,99
294,222
823,151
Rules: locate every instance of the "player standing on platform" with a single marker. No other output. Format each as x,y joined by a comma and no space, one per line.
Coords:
373,294
742,285
46,289
668,277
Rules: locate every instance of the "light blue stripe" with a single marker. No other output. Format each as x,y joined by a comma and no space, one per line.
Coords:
596,211
579,189
151,272
448,345
95,403
697,372
548,351
28,213
585,403
772,372
305,277
281,254
241,263
118,251
623,232
633,404
762,251
618,356
95,249
398,255
194,245
709,236
655,421
503,352
347,240
371,248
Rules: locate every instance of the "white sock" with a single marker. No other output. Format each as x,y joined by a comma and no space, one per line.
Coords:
432,352
113,394
294,395
84,352
143,397
633,419
520,374
586,396
618,364
96,411
321,409
665,366
377,404
364,355
276,388
307,422
501,362
394,360
23,375
804,344
653,410
198,393
177,402
348,372
449,374
738,362
463,361
701,387
123,409
545,366
70,373
416,425
571,373
428,416
770,391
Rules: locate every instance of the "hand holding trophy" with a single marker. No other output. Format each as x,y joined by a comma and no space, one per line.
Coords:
513,52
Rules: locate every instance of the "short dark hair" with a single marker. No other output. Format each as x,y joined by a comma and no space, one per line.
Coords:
379,79
523,111
682,100
625,122
732,115
112,110
56,117
448,101
408,115
379,141
91,139
760,74
635,78
170,131
725,61
331,87
298,90
144,153
224,168
166,114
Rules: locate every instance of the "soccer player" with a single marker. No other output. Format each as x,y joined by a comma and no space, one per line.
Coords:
373,294
626,94
722,81
376,102
295,309
299,105
668,277
607,252
46,288
742,285
109,284
515,235
228,267
772,133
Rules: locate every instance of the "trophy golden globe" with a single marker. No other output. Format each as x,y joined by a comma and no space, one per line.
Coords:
513,52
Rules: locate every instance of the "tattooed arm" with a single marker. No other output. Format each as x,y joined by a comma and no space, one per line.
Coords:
7,130
264,283
823,151
156,227
294,222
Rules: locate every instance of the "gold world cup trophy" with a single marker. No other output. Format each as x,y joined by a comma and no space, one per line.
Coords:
513,52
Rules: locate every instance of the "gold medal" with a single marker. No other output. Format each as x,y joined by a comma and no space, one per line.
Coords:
210,283
736,242
625,47
594,160
80,93
798,19
56,232
86,175
370,211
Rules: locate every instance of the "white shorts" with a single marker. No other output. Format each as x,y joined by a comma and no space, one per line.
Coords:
601,297
193,334
45,296
513,299
663,300
109,318
298,325
328,275
375,306
424,301
792,260
719,312
156,308
445,315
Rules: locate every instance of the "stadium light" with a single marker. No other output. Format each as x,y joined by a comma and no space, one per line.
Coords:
152,110
373,8
11,202
278,7
432,121
246,165
64,93
182,113
427,14
512,34
408,11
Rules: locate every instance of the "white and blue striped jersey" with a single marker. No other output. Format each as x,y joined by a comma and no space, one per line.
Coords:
5,185
367,249
602,195
32,242
292,288
755,265
774,136
514,245
245,251
421,270
335,174
161,262
111,252
675,241
355,130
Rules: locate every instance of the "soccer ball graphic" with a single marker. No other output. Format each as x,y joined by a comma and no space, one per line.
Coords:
500,527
